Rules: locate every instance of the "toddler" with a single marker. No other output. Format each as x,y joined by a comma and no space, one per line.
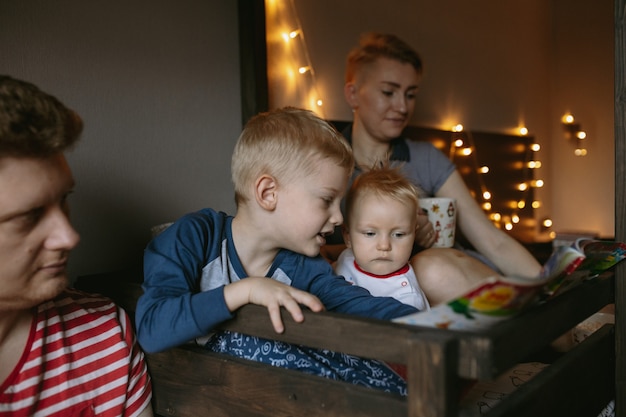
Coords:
379,232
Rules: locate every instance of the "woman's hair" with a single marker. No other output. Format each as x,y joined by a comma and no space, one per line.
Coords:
34,123
285,143
381,181
375,45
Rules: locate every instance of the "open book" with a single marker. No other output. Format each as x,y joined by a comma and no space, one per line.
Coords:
499,298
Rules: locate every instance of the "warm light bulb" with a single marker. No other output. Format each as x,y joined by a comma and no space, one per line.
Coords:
536,204
458,143
534,164
487,195
522,187
580,152
466,151
521,204
496,217
319,102
535,147
581,135
547,223
487,205
483,169
508,226
523,131
515,218
457,128
289,36
303,70
537,183
567,119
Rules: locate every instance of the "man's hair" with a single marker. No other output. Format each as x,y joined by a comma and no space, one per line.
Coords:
383,182
285,143
34,123
375,45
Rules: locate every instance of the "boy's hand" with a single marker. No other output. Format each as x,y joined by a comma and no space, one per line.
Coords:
273,295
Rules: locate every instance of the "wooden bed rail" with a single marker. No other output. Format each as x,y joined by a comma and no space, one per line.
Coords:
190,381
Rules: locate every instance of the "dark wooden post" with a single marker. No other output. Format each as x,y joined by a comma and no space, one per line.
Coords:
253,58
620,203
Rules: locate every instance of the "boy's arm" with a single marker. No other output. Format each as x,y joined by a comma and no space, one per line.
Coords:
172,309
352,299
343,297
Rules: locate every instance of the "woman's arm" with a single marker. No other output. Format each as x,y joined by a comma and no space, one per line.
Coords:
504,251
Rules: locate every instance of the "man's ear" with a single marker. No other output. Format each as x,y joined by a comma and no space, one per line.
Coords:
265,192
349,92
346,236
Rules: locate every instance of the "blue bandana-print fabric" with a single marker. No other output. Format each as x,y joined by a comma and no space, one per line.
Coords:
324,363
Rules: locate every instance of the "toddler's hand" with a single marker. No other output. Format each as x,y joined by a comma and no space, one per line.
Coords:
425,234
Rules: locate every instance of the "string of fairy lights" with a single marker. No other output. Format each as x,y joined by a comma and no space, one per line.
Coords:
462,147
291,66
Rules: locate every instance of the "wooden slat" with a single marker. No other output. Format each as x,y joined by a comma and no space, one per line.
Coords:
348,334
189,380
578,384
620,201
252,58
432,380
484,357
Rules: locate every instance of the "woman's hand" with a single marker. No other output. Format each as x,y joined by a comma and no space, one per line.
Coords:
425,233
273,295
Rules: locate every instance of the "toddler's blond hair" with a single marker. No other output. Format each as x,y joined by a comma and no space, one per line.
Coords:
381,181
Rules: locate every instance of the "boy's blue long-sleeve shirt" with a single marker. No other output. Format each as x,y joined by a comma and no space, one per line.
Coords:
187,266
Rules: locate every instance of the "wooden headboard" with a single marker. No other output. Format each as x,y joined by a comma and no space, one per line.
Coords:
506,156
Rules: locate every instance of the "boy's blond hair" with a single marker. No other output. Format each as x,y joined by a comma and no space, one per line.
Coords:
381,181
285,143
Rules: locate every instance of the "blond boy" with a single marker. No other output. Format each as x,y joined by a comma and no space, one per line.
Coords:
290,170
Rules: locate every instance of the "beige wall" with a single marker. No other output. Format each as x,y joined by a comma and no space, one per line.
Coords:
583,194
493,66
158,86
157,83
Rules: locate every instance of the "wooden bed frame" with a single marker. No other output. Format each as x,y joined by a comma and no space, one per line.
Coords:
189,381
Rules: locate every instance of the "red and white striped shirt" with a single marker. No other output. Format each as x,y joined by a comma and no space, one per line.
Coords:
81,359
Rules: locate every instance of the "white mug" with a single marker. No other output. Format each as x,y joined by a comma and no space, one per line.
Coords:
442,214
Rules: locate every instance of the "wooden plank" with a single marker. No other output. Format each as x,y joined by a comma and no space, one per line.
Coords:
252,58
578,384
348,334
433,384
189,381
483,357
620,202
434,358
